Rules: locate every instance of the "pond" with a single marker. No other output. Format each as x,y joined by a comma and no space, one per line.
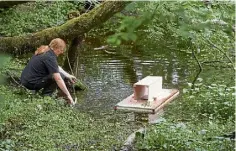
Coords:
110,76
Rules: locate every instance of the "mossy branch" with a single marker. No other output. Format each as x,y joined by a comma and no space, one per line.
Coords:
71,29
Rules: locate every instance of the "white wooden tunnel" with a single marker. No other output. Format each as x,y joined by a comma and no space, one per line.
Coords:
148,88
148,96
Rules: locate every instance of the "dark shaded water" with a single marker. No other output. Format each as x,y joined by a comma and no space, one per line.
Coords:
110,77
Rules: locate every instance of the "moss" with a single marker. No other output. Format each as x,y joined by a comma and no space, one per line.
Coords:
68,31
80,86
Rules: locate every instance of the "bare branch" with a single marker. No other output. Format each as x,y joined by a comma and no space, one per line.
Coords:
200,69
224,53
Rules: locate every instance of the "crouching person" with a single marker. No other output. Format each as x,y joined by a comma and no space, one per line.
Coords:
43,72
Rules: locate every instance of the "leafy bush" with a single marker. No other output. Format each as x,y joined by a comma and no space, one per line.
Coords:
191,26
34,16
208,102
196,122
167,136
4,59
31,122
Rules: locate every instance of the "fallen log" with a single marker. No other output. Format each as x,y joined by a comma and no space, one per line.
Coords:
68,31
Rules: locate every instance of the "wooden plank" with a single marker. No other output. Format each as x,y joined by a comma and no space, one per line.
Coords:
167,101
143,106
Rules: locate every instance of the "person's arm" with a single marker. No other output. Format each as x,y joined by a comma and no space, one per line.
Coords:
61,84
69,76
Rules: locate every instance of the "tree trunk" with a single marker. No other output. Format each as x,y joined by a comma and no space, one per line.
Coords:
72,53
68,31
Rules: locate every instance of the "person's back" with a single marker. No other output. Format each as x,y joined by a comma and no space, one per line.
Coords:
39,67
43,72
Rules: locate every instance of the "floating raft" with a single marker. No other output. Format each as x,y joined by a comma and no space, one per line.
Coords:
148,97
163,97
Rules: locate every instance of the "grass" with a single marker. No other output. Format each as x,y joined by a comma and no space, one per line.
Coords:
37,123
33,122
198,120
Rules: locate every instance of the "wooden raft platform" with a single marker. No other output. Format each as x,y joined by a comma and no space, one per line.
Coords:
163,97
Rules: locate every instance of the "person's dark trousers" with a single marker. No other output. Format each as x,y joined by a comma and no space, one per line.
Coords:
48,84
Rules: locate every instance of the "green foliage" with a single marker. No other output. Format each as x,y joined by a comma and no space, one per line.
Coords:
209,102
79,85
189,25
183,18
126,30
167,136
4,59
196,122
34,16
128,27
31,122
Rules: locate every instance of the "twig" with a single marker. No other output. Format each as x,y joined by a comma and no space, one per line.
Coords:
104,49
73,74
9,73
69,64
221,51
101,48
200,69
130,140
76,69
214,61
109,52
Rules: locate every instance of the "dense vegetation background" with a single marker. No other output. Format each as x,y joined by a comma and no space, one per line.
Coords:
202,118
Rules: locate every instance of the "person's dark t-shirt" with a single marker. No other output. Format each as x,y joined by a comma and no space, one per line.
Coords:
39,67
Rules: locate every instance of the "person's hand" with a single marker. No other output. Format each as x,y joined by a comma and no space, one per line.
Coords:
71,101
72,78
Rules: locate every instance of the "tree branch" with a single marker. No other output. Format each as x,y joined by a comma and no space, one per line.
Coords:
224,53
200,69
69,30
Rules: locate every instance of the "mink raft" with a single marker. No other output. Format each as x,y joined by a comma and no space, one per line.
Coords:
148,96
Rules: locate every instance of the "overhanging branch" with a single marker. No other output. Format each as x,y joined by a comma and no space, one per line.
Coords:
200,69
69,30
224,53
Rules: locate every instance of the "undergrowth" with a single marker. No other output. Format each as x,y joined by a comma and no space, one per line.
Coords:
32,122
201,119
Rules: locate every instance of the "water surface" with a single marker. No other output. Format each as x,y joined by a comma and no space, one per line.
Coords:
110,77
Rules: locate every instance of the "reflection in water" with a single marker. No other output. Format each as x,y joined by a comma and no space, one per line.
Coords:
110,77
